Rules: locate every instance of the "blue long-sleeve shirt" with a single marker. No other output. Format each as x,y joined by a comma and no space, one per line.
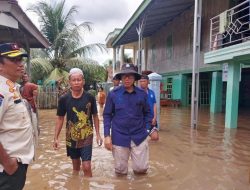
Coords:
126,114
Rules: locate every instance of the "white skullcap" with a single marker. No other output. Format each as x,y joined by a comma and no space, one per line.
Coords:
75,71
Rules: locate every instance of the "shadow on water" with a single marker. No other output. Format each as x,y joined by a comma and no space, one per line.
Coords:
208,158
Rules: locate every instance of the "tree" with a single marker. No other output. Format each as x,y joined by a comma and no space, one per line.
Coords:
65,50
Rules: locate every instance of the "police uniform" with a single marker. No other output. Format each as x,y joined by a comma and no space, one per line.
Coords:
16,133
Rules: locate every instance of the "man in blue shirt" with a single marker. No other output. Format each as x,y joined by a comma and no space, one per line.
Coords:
127,113
152,129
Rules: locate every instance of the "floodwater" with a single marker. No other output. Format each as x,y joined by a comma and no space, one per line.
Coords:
209,158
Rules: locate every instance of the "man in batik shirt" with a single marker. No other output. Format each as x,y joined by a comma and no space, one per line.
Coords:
80,107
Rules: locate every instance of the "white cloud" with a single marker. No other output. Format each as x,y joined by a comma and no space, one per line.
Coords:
106,15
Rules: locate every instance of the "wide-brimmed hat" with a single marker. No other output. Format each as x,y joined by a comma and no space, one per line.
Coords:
115,77
128,68
11,50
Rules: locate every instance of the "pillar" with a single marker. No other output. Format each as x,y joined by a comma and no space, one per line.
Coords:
155,81
122,56
183,84
216,93
114,61
232,100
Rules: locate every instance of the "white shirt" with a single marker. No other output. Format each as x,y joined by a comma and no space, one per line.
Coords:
16,132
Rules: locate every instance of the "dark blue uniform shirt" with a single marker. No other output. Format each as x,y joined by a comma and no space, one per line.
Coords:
126,114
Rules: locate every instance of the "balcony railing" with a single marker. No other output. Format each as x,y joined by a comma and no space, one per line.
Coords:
230,27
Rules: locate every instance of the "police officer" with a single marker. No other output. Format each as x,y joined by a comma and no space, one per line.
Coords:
16,133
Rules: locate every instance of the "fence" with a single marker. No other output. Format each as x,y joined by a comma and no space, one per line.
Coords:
47,97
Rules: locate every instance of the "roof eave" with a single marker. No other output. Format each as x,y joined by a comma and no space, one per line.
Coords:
16,11
132,19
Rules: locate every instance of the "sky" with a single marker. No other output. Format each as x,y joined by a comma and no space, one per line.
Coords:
106,15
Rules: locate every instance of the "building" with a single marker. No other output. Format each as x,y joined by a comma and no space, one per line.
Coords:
167,48
15,26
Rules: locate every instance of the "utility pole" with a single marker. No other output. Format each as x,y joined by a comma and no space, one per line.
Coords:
196,62
140,36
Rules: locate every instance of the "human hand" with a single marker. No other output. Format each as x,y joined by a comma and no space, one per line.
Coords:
154,135
108,143
56,144
99,140
11,166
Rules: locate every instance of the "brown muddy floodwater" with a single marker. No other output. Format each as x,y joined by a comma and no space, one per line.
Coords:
209,158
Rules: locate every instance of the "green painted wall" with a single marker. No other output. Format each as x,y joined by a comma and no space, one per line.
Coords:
179,87
216,93
232,95
184,83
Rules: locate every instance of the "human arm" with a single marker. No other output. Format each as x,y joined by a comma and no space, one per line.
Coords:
61,111
148,115
154,135
154,120
58,128
107,118
35,90
9,163
97,129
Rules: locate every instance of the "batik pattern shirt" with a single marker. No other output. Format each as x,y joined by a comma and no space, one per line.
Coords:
79,111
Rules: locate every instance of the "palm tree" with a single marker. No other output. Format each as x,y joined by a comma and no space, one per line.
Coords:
65,51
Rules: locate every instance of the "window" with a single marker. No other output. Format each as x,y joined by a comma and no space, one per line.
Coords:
169,47
169,88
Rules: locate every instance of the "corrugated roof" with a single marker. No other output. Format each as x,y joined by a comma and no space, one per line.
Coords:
156,13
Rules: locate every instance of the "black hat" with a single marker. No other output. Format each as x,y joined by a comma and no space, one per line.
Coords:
11,50
128,68
115,77
143,76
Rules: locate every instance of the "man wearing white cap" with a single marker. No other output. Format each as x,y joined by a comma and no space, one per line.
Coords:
80,107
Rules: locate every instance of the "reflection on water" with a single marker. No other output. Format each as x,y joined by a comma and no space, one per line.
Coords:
208,158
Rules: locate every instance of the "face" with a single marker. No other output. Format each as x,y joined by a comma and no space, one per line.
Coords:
12,68
144,83
116,82
76,82
25,78
128,80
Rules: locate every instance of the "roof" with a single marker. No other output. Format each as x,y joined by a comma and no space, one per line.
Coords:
111,36
23,30
157,13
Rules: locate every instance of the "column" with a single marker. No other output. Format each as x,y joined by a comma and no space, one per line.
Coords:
122,56
216,93
114,61
232,100
134,55
155,81
183,84
146,53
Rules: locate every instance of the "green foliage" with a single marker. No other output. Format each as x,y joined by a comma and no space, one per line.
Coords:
66,50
